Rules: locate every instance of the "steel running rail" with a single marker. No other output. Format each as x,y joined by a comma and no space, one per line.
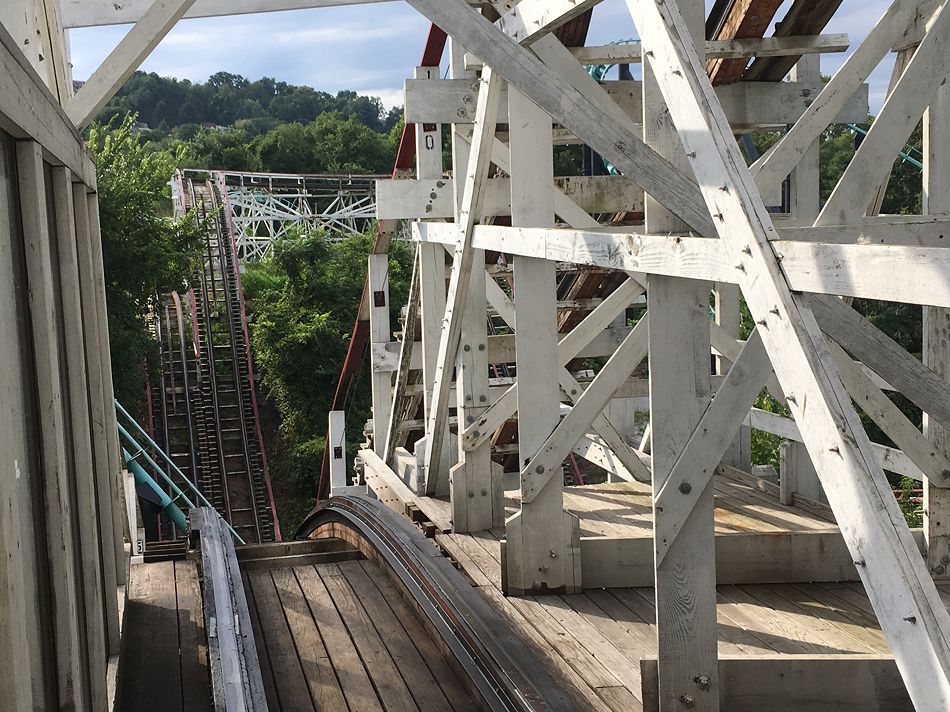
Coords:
487,652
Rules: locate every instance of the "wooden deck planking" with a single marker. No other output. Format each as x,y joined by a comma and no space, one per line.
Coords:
624,509
315,662
164,657
290,685
267,671
338,636
453,689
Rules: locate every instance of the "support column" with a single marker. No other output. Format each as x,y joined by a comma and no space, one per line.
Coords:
475,505
429,165
796,471
542,550
678,313
380,335
337,446
471,482
936,329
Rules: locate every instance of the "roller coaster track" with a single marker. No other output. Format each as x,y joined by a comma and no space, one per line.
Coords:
504,673
205,410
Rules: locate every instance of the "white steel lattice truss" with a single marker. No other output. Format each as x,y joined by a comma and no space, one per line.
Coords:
266,206
694,222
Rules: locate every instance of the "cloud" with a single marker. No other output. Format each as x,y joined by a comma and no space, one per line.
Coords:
370,48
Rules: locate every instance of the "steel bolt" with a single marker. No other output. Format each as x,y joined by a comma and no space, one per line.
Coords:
687,700
702,682
939,569
481,347
539,469
685,487
482,398
553,554
945,559
467,347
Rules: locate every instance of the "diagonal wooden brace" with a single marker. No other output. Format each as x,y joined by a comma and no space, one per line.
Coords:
710,440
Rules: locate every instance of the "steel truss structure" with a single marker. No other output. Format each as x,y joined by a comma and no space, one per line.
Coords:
695,233
265,206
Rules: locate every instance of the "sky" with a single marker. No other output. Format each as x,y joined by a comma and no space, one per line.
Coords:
370,49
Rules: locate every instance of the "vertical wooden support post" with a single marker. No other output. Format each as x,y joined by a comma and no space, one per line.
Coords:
84,463
380,335
726,304
797,473
429,165
936,328
806,185
337,445
56,470
471,482
472,492
104,501
108,394
678,310
542,548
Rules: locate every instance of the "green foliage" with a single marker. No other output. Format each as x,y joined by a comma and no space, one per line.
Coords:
304,302
225,99
144,253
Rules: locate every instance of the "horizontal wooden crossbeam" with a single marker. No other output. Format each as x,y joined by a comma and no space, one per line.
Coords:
901,273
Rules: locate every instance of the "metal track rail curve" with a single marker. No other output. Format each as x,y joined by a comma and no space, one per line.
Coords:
500,668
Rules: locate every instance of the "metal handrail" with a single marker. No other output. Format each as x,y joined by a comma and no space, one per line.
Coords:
140,452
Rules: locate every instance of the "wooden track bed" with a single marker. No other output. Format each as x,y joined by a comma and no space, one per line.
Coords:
339,636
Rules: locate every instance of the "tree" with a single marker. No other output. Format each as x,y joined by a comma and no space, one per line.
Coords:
144,252
304,301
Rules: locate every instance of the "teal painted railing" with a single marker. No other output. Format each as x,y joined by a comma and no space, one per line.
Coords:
136,455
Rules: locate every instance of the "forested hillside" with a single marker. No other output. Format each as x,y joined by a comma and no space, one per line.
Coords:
232,123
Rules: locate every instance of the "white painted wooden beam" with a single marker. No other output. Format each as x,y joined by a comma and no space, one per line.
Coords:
546,463
917,275
747,104
927,70
911,613
479,162
128,56
695,466
596,124
772,168
93,13
432,199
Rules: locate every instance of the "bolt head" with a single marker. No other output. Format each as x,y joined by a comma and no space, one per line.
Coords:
939,570
685,487
687,701
945,559
703,682
539,469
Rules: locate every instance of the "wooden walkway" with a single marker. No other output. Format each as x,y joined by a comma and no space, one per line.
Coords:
339,636
626,509
595,640
164,663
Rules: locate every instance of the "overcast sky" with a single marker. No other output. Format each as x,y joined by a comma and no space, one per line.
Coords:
370,49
